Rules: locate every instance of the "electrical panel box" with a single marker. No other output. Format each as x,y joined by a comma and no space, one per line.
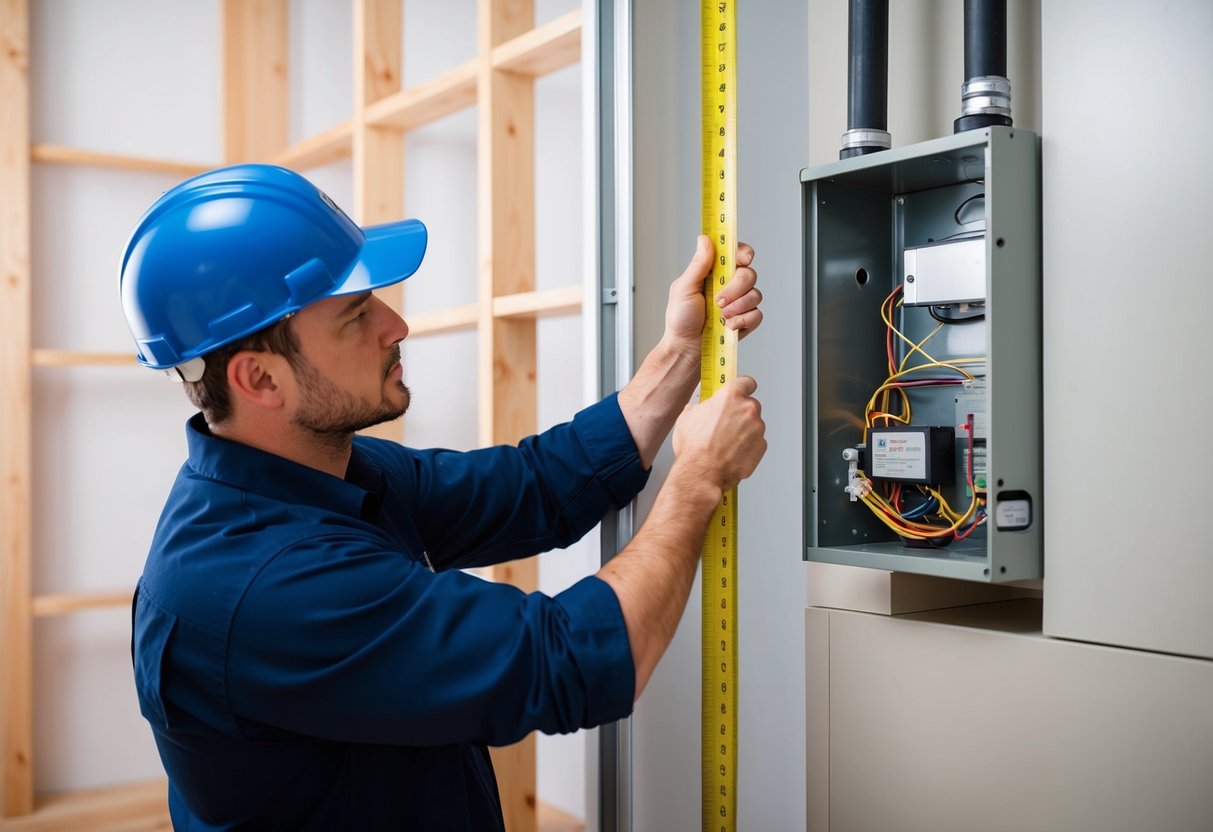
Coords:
922,406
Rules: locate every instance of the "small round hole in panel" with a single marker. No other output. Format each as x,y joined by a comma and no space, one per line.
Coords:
861,277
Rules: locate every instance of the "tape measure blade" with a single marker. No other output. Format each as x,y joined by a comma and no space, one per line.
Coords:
720,654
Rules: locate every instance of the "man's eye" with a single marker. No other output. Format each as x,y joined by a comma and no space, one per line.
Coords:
358,317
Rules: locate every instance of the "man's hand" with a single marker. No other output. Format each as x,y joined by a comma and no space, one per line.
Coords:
654,397
722,439
737,301
717,443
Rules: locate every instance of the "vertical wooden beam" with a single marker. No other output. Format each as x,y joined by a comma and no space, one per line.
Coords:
378,151
255,92
16,668
506,348
506,197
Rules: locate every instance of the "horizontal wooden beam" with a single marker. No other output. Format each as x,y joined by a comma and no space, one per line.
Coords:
545,49
443,320
63,155
426,103
65,603
140,807
143,805
324,148
80,358
565,300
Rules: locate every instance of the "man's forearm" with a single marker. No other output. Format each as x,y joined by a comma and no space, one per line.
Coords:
656,395
653,575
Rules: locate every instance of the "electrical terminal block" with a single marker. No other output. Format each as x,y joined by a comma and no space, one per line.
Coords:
859,488
852,456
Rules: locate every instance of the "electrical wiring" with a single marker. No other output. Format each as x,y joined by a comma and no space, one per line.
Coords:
933,311
929,507
934,519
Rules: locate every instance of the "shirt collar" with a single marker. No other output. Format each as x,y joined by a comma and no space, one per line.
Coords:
359,495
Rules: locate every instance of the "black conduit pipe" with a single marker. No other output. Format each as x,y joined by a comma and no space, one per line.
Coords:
985,97
867,79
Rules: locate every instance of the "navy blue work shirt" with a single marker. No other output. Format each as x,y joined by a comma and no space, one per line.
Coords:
310,657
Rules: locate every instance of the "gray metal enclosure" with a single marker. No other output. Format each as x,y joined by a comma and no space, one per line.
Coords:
860,215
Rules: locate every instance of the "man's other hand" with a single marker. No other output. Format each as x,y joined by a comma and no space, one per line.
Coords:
723,438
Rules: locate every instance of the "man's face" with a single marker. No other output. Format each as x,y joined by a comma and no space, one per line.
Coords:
350,377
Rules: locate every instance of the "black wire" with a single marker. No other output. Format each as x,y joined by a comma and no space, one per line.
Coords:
947,319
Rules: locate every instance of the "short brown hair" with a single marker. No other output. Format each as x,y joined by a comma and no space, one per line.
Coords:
212,395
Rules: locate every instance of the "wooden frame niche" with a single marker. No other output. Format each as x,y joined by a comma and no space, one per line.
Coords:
511,53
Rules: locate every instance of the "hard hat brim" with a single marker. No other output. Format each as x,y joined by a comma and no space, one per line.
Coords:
391,252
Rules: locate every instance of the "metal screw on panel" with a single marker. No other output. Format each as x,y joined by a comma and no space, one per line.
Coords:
909,278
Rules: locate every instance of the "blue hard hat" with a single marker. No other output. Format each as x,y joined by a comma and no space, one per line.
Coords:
237,249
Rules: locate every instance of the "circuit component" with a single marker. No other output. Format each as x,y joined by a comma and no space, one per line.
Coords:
923,454
972,404
945,273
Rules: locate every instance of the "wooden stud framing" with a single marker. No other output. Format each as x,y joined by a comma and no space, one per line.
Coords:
378,151
76,358
255,92
16,671
332,145
46,606
511,53
450,92
59,154
506,348
546,49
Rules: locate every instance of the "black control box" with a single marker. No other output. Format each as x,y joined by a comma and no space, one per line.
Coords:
924,454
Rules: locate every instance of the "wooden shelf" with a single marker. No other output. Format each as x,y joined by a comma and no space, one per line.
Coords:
540,51
425,103
143,807
565,300
134,807
66,603
62,155
81,358
443,320
332,145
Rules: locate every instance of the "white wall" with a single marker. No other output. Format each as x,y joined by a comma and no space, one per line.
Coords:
125,77
772,147
143,77
1126,257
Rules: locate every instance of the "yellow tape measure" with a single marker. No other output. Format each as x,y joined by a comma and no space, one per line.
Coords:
719,365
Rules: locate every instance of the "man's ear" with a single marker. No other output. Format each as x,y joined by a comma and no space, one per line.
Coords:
251,374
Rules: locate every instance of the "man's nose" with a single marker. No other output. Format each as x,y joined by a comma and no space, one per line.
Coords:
395,330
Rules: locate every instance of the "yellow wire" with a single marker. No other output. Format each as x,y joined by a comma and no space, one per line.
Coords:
918,347
887,318
910,529
888,385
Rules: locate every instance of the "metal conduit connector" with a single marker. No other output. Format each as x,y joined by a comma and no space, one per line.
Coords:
985,95
985,101
865,137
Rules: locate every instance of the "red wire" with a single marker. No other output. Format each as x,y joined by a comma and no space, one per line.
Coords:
891,301
969,530
972,487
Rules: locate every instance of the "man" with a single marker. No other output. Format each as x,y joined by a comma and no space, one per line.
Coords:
306,648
